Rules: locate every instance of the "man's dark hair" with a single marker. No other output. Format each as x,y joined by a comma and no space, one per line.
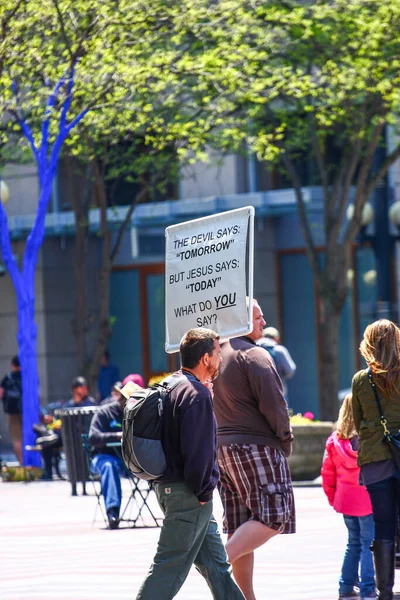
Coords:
106,354
78,382
194,344
15,361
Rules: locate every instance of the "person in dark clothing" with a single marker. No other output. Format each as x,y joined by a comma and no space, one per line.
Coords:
108,376
284,363
80,395
189,534
380,348
106,427
115,394
49,439
11,395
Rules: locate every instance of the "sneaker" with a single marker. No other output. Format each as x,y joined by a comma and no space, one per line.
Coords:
371,595
350,596
113,518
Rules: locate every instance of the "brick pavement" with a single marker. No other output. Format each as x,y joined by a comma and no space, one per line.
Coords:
50,550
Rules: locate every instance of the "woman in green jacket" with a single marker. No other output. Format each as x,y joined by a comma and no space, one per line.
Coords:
380,348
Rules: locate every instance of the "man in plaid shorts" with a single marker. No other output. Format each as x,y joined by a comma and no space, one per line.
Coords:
254,440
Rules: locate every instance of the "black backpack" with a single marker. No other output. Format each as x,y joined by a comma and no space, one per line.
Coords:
12,399
142,449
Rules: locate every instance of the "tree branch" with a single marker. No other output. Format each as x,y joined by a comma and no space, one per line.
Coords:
125,223
26,130
92,105
360,197
344,190
321,163
46,120
7,253
310,246
389,160
63,30
68,100
5,25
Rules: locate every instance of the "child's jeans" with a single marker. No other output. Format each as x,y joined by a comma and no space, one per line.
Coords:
361,534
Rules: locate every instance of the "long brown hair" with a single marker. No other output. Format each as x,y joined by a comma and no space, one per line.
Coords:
381,349
345,425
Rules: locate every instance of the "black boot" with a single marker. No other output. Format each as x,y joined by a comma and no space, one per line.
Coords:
384,555
47,455
113,517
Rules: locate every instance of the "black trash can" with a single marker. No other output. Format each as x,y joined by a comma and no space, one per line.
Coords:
75,422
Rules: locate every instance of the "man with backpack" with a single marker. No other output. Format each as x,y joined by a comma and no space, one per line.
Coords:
189,534
284,363
11,394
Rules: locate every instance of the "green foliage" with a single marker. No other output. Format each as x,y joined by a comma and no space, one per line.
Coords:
285,72
281,77
123,53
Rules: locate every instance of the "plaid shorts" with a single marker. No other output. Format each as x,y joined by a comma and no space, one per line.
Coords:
255,484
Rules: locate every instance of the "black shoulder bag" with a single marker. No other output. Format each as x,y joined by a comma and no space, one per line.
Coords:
393,439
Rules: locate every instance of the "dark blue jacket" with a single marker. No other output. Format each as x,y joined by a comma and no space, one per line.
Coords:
189,438
105,425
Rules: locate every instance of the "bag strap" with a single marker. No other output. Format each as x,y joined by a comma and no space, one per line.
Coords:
171,381
383,419
169,384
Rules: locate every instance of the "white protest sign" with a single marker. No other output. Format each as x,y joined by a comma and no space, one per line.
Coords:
209,273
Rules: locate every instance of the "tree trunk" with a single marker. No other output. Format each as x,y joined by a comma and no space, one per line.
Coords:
328,338
24,284
90,366
80,319
27,337
104,328
80,200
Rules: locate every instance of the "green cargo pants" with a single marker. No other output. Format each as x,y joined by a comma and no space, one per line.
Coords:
189,535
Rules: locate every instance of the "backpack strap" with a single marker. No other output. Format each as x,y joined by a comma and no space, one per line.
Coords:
170,383
378,402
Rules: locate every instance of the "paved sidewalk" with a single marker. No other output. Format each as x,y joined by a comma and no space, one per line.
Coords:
50,550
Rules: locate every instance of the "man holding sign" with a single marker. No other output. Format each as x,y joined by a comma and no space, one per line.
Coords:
254,439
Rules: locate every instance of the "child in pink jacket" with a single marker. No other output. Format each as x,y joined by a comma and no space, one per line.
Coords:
340,475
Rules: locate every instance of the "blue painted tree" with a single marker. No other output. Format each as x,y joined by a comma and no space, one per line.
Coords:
46,155
127,55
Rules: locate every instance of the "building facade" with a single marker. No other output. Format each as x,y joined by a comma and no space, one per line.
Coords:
283,281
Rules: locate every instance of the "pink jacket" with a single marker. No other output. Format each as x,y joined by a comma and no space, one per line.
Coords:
340,475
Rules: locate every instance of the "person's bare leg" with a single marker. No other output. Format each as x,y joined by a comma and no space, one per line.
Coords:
15,430
248,537
243,573
17,447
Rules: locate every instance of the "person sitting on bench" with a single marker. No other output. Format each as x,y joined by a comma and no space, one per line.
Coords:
106,428
49,440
